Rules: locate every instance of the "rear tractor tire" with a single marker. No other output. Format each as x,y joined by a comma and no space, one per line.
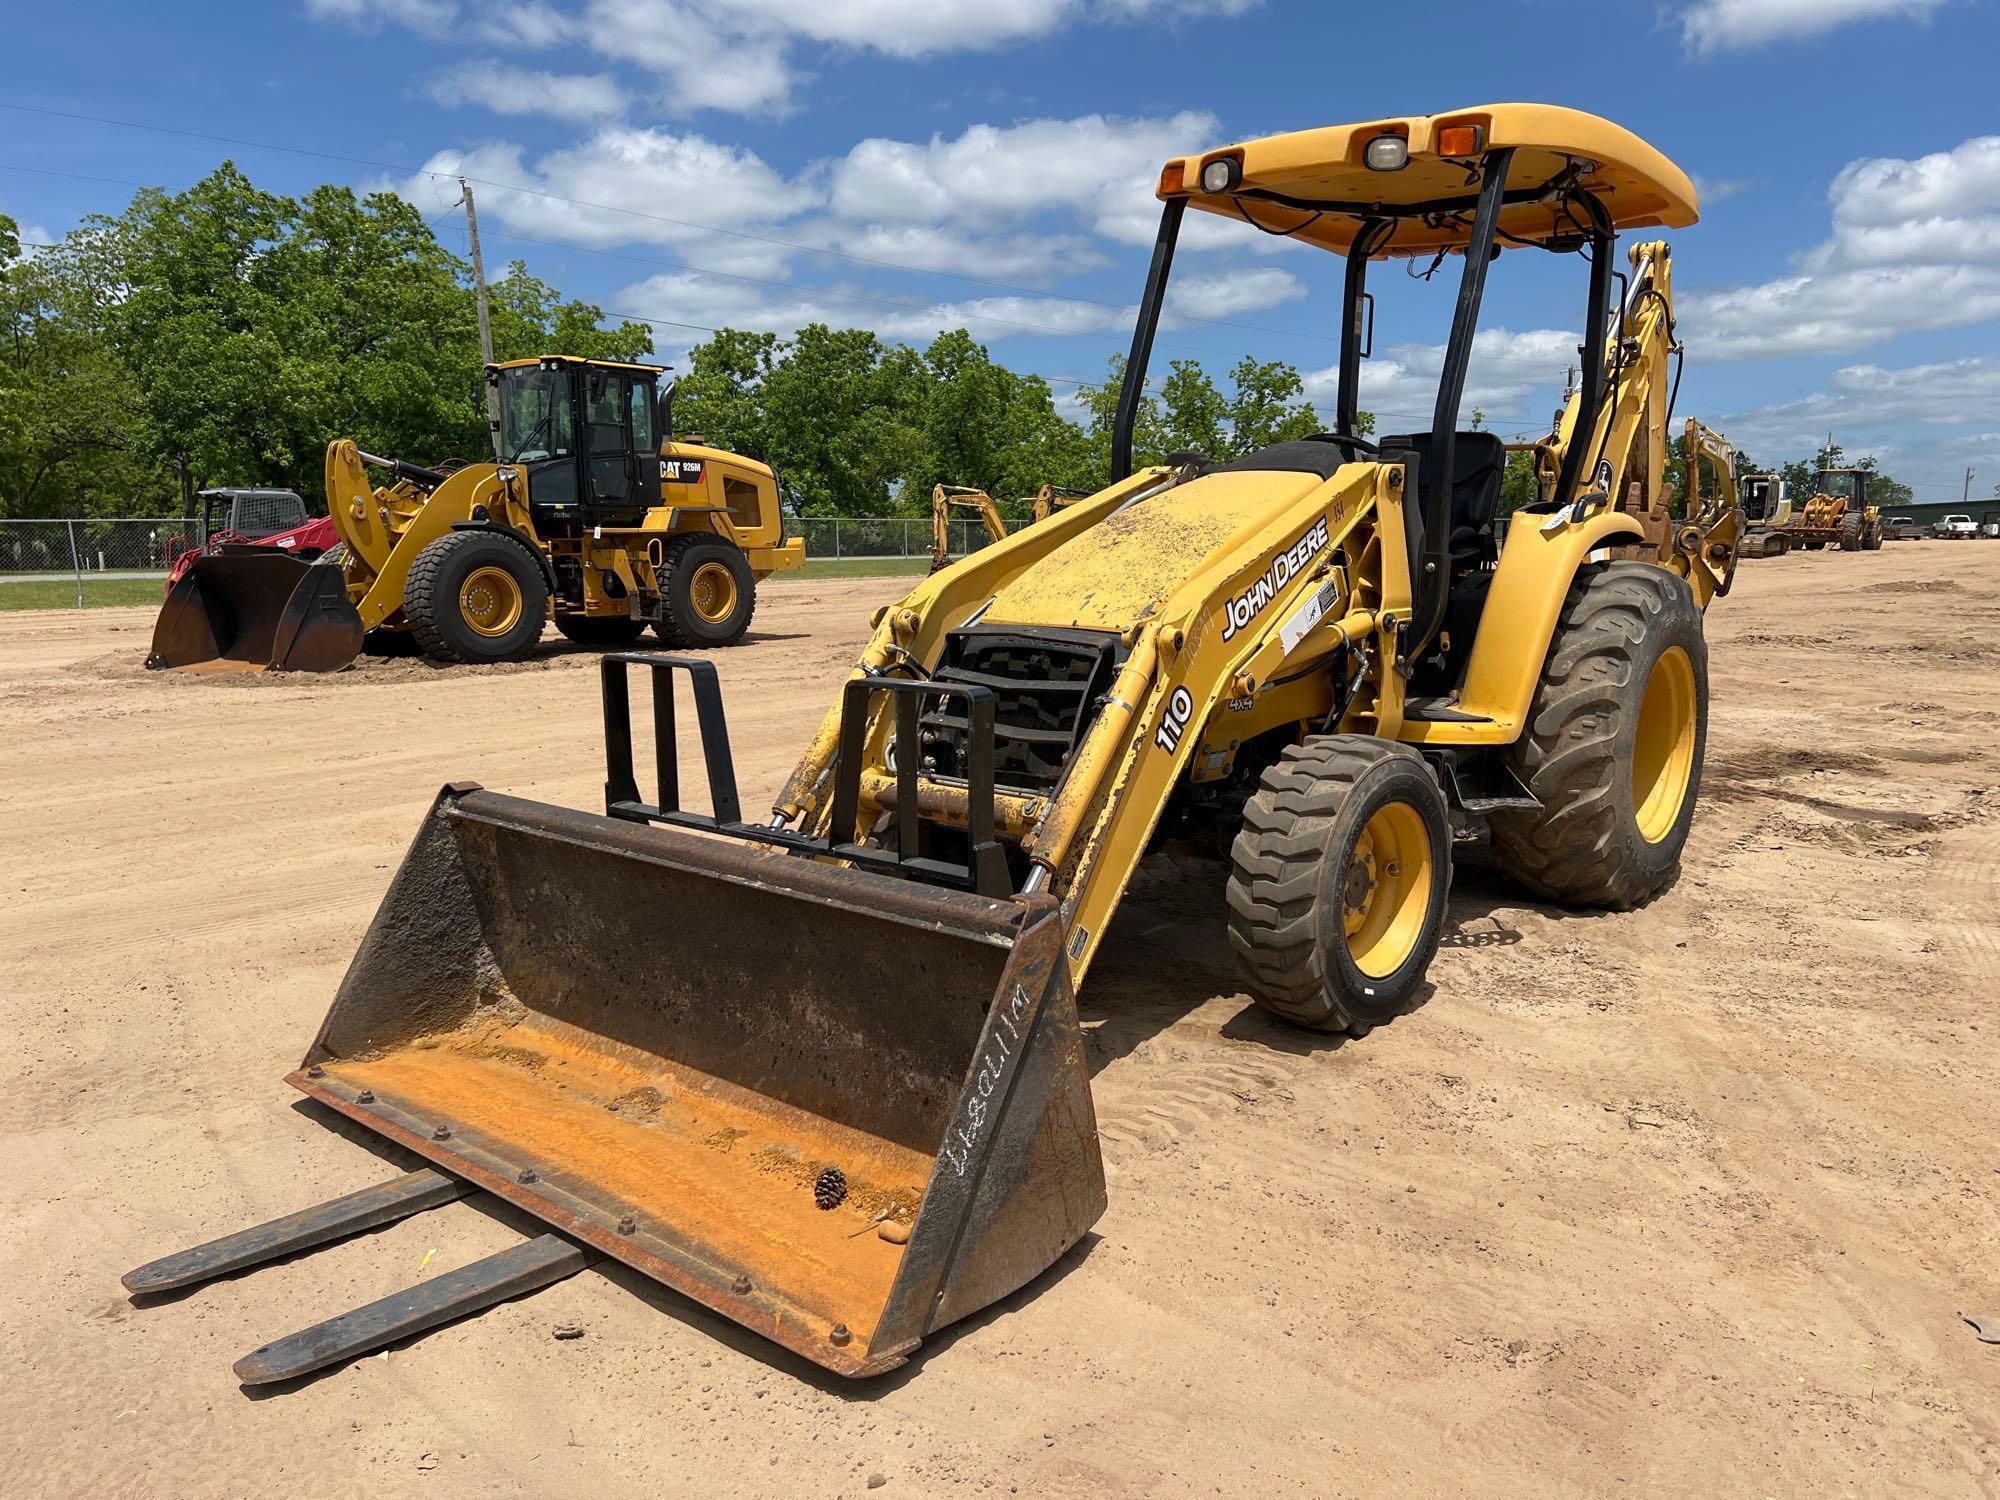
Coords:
1338,882
1614,742
476,596
707,593
600,630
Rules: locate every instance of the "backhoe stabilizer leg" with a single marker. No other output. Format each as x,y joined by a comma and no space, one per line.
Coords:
513,1272
371,1207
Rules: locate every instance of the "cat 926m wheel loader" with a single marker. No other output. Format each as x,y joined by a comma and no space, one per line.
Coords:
822,1071
599,519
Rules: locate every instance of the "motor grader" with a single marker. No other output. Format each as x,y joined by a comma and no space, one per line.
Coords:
821,1070
597,519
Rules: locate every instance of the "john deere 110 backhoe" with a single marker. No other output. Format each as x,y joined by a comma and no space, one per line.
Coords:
597,519
822,1070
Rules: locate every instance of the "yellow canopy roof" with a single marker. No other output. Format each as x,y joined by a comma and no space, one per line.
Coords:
544,360
1315,185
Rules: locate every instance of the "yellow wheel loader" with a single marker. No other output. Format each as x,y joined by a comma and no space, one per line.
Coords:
822,1070
1837,515
598,519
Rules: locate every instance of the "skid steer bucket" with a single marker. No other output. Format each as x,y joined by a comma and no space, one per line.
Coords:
257,609
841,1108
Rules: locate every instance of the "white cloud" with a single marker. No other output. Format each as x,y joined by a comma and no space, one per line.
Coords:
1509,369
430,16
1867,406
720,302
736,55
1915,245
656,187
509,90
1092,165
1711,26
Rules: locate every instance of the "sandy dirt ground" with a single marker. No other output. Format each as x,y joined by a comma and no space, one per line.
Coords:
1682,1201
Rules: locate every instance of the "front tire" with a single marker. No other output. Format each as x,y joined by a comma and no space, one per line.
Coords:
1339,880
1614,742
1853,532
476,596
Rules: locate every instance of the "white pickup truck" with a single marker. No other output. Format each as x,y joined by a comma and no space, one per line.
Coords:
1955,529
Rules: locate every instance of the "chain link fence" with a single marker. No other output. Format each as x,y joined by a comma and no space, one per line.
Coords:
83,561
879,544
90,560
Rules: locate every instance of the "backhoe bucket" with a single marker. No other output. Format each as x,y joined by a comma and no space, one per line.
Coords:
257,609
841,1108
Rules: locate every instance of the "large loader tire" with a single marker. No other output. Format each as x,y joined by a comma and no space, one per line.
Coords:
1852,532
1338,882
707,595
600,630
476,596
1614,742
1871,538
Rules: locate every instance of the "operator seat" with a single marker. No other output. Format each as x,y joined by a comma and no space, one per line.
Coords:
1480,461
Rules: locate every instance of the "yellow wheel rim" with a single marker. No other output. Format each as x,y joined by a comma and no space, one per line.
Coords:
1387,893
712,592
490,601
1663,749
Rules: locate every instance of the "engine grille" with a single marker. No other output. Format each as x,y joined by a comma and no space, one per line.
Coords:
1046,690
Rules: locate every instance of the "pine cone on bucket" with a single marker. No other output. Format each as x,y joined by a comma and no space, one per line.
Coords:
830,1188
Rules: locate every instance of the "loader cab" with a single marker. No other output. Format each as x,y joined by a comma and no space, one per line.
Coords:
586,435
1850,485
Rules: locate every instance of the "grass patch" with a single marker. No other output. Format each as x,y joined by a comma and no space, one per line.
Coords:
60,593
860,567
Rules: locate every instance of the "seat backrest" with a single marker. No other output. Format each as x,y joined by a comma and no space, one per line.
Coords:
1480,461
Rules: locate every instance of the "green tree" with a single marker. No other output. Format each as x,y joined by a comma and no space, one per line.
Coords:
530,317
1267,406
74,435
1196,414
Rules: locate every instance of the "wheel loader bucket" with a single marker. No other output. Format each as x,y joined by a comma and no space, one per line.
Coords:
840,1108
254,610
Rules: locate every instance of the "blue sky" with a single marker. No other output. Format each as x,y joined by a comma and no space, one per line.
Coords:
914,164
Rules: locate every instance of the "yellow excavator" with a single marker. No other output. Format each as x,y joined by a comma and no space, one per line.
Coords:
821,1070
944,497
598,519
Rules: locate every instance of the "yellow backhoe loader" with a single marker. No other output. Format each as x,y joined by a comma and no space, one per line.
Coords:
598,519
822,1070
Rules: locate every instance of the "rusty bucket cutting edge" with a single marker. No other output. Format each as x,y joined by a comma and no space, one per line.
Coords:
259,609
665,1045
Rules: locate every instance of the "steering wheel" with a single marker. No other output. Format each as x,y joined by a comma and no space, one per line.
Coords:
1348,440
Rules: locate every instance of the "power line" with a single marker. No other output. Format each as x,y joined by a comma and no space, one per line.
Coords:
512,187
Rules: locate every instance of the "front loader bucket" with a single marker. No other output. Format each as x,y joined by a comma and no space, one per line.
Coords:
841,1108
257,609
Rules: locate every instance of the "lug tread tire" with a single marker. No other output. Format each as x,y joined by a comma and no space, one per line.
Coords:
1852,528
673,631
426,596
1277,870
1578,848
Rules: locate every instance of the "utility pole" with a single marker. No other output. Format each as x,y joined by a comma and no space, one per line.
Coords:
485,317
1966,494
